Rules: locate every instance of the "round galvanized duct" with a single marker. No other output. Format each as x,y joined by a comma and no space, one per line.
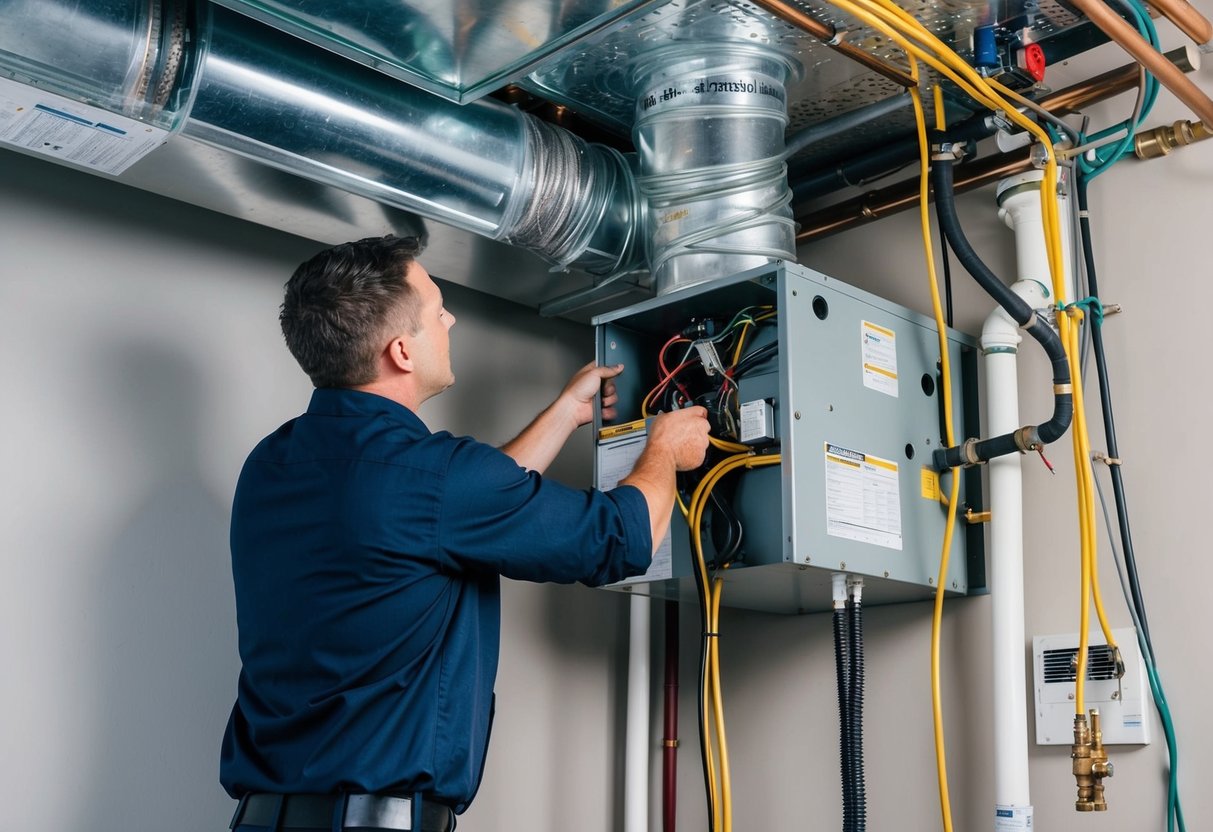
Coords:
709,129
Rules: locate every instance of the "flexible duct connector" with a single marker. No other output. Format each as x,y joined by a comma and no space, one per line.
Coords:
248,88
709,132
121,55
1030,437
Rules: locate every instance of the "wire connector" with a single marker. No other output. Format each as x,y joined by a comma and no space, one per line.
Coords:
838,582
855,588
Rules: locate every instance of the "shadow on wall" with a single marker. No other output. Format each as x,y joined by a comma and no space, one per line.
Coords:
163,654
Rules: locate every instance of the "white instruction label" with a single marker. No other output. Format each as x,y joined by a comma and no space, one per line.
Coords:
615,461
863,497
1012,818
878,350
63,129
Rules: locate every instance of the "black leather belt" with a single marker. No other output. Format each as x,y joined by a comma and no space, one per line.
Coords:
341,811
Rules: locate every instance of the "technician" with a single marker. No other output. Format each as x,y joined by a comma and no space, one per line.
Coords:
367,554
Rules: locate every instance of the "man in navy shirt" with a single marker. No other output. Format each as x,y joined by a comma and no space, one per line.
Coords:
367,554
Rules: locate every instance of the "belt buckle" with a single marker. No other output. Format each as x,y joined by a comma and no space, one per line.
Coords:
378,811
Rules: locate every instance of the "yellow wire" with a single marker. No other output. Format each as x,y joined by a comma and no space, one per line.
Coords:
719,797
726,786
941,761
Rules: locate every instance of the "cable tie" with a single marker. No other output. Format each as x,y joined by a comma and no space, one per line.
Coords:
711,635
669,743
1100,456
1063,389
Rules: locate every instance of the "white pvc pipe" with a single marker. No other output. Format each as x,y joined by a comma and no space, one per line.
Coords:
637,745
1000,341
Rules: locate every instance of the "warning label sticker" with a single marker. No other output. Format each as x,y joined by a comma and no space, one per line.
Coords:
863,497
55,126
878,350
615,461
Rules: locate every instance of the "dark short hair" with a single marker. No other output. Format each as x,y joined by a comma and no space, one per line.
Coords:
341,305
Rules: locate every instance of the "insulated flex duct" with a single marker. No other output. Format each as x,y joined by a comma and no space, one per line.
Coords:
247,88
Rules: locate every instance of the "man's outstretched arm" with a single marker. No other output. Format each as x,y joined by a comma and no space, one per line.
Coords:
542,439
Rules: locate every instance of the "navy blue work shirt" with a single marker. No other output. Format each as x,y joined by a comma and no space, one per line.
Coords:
366,553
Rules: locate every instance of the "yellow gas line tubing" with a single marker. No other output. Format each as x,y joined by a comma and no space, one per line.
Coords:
721,802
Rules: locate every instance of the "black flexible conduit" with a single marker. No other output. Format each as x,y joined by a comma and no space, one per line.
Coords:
842,666
859,809
1031,437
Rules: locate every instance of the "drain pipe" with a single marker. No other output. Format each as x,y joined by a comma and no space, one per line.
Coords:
636,741
1019,208
224,79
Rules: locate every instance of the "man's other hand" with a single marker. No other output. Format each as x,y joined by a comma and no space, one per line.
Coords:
586,383
683,434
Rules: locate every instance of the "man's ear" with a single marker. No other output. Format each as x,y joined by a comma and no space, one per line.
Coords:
399,355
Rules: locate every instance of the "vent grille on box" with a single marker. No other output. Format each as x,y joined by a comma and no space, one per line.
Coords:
1062,665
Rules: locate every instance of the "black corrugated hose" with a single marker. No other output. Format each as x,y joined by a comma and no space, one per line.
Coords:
1063,401
859,808
842,666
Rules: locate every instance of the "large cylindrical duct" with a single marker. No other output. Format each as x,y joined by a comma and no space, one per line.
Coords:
485,167
709,130
123,56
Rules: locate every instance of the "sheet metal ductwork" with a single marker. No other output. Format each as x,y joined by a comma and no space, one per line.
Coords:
710,163
237,84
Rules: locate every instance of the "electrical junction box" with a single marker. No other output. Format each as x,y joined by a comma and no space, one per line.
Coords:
1121,702
848,385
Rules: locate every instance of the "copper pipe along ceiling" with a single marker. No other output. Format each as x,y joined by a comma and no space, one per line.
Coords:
1186,18
1145,54
1114,82
897,198
903,195
828,35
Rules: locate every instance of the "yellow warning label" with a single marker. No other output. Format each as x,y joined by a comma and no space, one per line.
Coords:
930,484
613,431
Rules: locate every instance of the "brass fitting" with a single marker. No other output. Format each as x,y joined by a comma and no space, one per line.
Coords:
1150,144
1090,764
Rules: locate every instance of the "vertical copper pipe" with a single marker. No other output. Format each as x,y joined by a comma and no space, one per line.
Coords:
669,744
1145,54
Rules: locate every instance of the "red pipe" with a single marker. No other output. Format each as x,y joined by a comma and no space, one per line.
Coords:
669,745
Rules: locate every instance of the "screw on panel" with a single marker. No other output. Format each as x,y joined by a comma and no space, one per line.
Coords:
793,293
955,585
613,345
796,415
829,408
931,581
886,573
842,565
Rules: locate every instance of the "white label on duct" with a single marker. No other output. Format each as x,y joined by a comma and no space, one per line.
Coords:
615,461
878,351
58,127
863,497
1012,818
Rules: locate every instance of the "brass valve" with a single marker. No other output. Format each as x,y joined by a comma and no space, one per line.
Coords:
1150,144
1090,764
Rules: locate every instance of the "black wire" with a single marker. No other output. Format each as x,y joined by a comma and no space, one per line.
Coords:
1105,401
947,276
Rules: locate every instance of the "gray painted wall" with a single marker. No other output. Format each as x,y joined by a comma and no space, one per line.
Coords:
144,362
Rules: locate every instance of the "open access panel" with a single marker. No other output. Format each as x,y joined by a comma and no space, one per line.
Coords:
847,388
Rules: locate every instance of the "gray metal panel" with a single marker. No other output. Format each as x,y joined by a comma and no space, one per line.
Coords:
819,396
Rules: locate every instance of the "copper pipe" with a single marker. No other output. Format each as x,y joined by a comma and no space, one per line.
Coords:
896,198
1114,82
1186,18
828,35
1145,54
